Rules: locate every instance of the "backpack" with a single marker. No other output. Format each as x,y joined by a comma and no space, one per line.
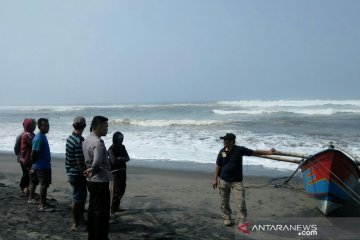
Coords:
17,147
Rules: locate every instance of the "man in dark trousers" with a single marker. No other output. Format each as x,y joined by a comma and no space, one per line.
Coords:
228,175
22,149
98,178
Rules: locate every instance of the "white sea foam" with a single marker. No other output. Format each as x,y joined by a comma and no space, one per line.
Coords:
44,108
164,123
289,103
198,146
250,112
325,111
190,132
304,111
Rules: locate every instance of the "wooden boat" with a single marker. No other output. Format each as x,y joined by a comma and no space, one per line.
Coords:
330,177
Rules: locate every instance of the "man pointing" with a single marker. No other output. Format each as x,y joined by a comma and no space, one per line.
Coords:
228,175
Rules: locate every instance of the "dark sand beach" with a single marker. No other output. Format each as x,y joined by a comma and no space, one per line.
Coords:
160,203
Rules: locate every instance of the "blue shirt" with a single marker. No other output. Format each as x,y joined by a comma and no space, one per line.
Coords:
231,163
43,157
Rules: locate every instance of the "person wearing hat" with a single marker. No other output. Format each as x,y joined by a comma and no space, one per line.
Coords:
75,166
228,175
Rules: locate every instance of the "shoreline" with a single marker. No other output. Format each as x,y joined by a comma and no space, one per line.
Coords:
160,203
248,170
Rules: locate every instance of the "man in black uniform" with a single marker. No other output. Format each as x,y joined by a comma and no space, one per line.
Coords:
229,175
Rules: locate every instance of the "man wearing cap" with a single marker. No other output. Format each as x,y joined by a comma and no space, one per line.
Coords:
228,175
75,166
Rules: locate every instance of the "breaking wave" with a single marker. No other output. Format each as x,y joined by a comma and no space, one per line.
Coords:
327,111
290,103
164,123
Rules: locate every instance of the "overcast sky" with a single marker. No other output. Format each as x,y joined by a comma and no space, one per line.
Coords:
84,52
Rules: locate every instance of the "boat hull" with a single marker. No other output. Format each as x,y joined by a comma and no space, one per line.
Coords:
330,178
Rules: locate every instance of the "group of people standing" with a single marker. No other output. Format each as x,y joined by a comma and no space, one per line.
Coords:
89,167
33,153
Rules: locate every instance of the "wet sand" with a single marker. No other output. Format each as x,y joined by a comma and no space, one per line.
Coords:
160,204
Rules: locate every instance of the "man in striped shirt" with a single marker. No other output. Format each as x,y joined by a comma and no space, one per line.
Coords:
75,166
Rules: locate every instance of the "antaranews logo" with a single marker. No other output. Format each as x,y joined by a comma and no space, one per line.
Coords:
244,227
301,229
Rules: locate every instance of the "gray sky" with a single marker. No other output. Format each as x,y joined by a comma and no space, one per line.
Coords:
76,52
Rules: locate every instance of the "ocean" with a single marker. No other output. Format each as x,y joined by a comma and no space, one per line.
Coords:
189,132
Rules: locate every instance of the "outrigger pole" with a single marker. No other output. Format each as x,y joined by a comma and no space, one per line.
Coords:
280,158
291,154
289,157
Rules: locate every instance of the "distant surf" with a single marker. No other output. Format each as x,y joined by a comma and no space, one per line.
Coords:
191,131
